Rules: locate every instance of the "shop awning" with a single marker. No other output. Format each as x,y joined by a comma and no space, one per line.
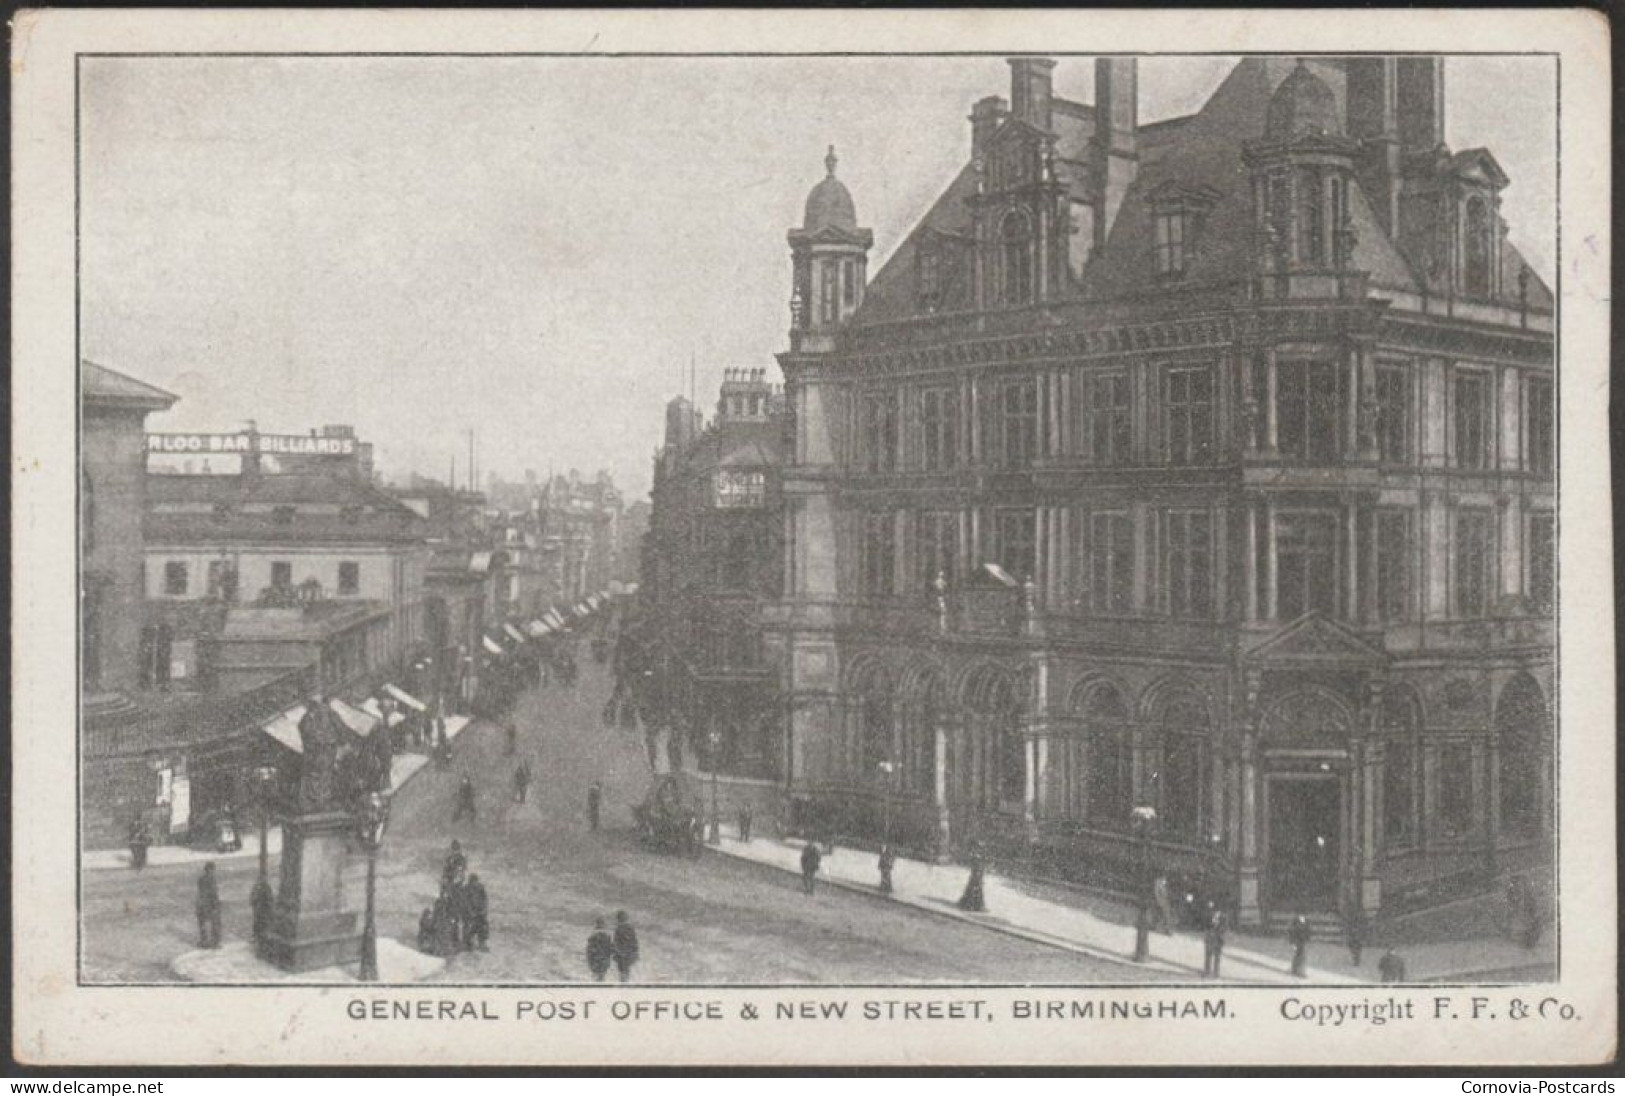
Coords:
492,646
352,717
405,698
285,728
518,636
537,629
554,618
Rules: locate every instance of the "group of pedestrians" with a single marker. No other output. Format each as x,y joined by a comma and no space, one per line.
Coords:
459,920
619,948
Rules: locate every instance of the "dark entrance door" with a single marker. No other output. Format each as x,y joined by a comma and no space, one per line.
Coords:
1304,837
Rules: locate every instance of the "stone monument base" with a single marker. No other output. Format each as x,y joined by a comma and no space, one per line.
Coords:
314,924
235,963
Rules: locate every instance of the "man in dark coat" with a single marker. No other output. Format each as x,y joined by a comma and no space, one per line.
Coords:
208,908
476,910
446,928
600,951
1299,935
521,782
595,801
974,900
811,858
456,864
140,838
465,801
626,945
888,859
744,823
1213,944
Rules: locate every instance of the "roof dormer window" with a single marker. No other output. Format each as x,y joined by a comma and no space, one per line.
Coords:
1177,217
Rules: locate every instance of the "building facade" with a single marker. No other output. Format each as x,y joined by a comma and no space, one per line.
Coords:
1182,493
714,562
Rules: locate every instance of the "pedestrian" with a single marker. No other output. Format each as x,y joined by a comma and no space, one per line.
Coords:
476,909
626,945
887,860
974,899
600,951
208,908
513,739
744,823
1391,968
1299,934
1357,929
445,921
1142,932
1213,944
810,859
140,838
595,800
426,931
1165,912
521,782
456,864
465,801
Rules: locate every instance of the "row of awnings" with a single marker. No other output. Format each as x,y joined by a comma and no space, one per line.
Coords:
548,623
359,719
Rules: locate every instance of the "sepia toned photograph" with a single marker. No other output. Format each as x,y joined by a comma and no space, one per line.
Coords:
598,521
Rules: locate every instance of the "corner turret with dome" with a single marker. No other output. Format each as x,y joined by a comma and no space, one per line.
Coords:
829,257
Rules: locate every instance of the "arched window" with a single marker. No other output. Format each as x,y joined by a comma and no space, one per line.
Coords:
1182,727
1016,236
1477,274
922,711
1106,730
995,714
1401,724
1521,727
870,710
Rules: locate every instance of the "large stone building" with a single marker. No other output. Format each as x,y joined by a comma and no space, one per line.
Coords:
714,562
1182,492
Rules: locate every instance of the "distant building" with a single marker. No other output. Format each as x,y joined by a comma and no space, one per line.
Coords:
713,559
1182,491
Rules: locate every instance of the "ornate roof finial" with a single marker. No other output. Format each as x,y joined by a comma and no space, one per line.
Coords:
829,162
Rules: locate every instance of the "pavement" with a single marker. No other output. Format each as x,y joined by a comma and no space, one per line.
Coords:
236,964
402,768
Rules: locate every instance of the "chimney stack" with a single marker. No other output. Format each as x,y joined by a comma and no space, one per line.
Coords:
1117,131
1031,90
985,117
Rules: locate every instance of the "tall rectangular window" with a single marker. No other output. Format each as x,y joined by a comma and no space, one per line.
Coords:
1188,415
1107,424
1393,414
1306,557
1473,545
828,286
879,426
1017,532
877,554
1395,564
281,574
1398,790
1542,561
175,578
1187,572
938,540
939,433
1309,402
1472,420
1019,405
1541,426
1111,563
849,282
349,577
1172,229
222,579
1455,813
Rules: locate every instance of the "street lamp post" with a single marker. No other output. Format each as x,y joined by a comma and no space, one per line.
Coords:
260,900
885,769
714,742
1144,817
370,823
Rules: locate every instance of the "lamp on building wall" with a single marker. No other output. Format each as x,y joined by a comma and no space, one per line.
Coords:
370,822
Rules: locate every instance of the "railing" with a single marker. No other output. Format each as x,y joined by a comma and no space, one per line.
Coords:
203,720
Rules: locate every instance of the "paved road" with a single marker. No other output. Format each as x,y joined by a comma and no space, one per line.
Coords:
706,920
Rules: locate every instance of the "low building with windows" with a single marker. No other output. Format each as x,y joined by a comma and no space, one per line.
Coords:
712,561
245,573
1179,494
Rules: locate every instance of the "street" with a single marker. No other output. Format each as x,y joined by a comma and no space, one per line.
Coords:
710,920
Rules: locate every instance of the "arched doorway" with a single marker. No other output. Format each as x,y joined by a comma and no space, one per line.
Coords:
1107,763
998,776
1522,727
1179,751
1305,798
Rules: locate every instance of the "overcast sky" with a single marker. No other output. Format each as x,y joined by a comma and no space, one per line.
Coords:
535,247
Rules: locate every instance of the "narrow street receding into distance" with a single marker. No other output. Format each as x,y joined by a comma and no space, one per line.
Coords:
713,919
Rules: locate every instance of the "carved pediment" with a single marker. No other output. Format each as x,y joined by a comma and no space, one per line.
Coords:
1315,640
